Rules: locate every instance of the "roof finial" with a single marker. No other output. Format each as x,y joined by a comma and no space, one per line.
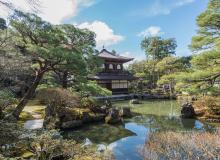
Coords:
103,47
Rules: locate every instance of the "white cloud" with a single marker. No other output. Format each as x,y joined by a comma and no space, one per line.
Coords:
54,11
180,3
157,9
104,34
151,31
126,54
161,7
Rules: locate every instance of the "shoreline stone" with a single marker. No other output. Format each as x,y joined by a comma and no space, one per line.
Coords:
187,111
135,101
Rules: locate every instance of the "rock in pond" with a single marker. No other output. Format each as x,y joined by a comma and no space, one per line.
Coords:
135,101
125,112
187,111
71,124
113,116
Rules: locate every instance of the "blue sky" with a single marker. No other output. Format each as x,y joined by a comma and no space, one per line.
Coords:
128,18
122,24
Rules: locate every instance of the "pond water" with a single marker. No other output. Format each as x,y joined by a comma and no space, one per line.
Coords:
34,124
125,140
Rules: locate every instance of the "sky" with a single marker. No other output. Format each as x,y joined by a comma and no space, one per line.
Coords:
122,24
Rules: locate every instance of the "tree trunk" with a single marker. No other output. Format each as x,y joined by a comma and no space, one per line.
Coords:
28,95
64,79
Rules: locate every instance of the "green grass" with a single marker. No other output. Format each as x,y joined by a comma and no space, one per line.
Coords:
25,116
34,105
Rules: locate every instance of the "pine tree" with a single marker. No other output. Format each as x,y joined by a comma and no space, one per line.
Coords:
206,44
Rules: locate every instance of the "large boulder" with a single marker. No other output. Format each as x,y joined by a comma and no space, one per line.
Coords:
55,116
71,124
135,101
125,112
113,116
187,111
100,109
67,114
89,117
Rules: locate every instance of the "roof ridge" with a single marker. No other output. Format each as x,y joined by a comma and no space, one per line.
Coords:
105,53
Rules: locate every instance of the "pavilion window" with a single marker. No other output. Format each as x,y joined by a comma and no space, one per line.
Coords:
123,84
119,84
110,66
115,84
103,66
118,66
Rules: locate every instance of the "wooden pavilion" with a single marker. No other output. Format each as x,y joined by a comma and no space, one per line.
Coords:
113,76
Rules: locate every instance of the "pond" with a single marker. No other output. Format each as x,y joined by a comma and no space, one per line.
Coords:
33,124
125,140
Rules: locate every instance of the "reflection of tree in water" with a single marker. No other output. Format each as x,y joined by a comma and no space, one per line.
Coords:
196,125
104,133
157,122
188,123
166,122
99,133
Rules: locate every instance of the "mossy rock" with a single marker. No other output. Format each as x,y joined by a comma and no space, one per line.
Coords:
27,155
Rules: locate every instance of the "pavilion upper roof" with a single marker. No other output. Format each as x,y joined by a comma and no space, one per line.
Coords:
105,54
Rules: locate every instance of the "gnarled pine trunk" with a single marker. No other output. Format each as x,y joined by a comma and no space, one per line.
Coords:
28,95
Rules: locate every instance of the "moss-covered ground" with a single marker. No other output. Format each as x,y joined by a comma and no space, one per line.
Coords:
33,110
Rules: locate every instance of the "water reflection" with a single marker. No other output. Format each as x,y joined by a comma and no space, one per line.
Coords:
99,133
167,122
33,124
128,148
125,140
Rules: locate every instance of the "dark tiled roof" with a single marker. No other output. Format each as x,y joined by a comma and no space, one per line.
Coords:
105,54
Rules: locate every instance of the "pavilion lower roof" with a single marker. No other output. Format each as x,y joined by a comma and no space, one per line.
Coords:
113,77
